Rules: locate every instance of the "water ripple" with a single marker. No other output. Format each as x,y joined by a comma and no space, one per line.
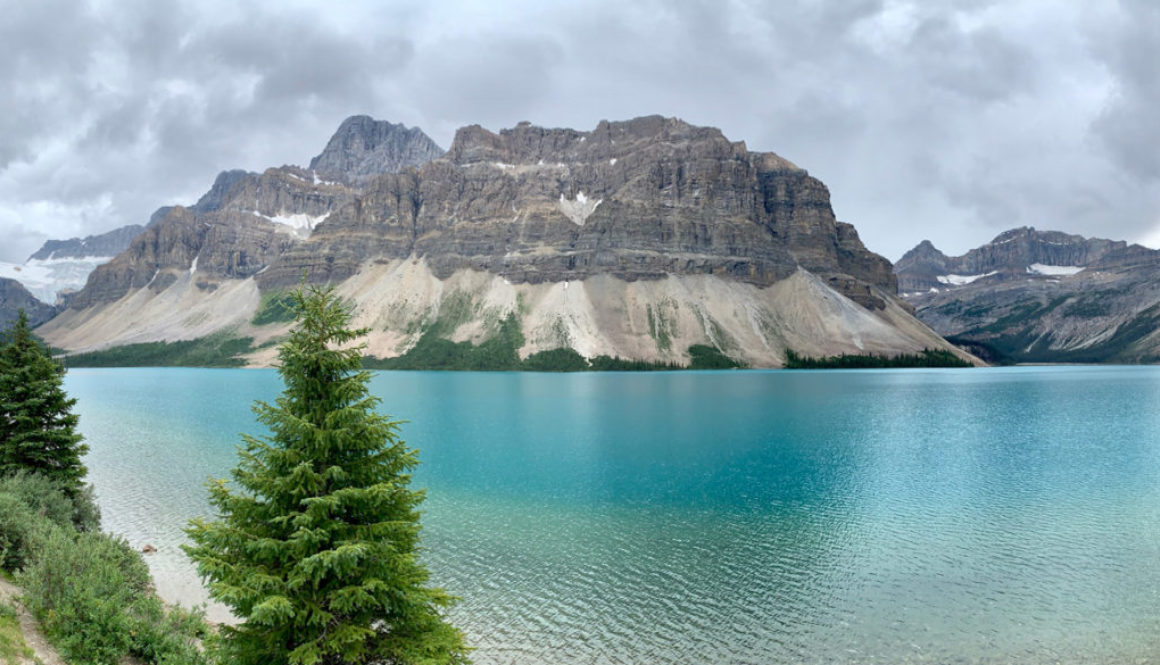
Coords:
886,518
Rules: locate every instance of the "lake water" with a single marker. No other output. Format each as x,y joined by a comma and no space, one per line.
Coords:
943,516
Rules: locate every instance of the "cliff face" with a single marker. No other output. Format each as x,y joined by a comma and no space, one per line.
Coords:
1041,296
638,200
508,220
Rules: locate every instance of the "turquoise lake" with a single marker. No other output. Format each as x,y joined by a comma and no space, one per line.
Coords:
943,516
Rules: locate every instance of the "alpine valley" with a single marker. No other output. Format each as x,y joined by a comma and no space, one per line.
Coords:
1040,296
649,239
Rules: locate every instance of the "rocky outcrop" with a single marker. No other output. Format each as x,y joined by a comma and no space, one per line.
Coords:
364,147
1041,296
104,245
14,297
638,238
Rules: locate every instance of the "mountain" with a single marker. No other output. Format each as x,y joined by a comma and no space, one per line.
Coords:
61,267
364,147
638,239
14,297
1040,296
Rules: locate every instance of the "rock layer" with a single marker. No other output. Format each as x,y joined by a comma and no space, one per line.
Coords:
638,200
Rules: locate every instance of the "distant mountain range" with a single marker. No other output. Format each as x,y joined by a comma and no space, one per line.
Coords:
639,239
1040,296
42,284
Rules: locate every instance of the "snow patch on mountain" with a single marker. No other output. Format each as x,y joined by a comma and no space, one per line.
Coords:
47,278
579,209
961,280
1055,271
300,224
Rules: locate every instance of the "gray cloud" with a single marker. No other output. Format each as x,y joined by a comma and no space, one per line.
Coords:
949,120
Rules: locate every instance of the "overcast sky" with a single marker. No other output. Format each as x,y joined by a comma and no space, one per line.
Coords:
948,120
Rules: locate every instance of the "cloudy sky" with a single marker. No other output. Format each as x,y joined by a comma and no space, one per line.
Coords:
943,119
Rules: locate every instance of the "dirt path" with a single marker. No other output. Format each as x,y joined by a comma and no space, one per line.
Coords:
41,649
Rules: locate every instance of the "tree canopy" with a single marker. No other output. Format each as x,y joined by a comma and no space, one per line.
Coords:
315,547
37,426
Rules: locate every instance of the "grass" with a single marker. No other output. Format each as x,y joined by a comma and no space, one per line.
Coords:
12,646
928,358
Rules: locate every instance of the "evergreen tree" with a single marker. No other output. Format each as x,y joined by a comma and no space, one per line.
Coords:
37,426
316,546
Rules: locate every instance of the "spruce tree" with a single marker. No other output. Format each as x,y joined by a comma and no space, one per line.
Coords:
315,548
37,425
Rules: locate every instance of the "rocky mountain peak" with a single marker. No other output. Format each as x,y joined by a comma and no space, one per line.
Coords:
216,196
101,245
364,147
923,251
919,268
1041,296
1015,253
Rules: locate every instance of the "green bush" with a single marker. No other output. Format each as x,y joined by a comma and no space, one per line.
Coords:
92,594
81,586
49,499
167,637
17,521
31,501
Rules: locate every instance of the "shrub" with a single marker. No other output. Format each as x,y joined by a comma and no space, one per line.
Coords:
17,521
80,586
92,594
31,501
50,500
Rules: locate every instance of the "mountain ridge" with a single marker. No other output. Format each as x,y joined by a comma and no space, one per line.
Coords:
645,219
1040,296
